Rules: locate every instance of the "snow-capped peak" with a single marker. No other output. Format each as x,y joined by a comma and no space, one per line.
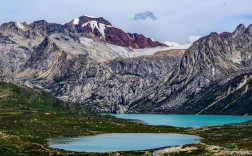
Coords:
98,23
76,21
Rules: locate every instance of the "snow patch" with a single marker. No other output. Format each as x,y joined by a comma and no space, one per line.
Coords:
105,51
94,24
102,29
91,16
129,52
125,52
20,25
85,24
76,21
102,51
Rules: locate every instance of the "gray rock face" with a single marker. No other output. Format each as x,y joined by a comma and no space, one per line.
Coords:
55,60
239,30
212,76
212,60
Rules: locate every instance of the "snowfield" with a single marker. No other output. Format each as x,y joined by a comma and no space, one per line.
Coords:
105,51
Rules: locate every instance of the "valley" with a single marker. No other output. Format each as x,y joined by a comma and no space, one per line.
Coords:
58,81
25,128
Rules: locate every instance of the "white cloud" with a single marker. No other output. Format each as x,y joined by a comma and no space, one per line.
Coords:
192,39
144,16
171,44
174,45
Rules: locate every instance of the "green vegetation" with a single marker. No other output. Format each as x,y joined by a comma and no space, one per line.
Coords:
231,136
14,97
30,116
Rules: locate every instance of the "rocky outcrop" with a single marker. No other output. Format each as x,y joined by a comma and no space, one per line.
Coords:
239,30
85,19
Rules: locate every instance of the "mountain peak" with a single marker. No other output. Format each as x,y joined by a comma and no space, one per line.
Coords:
213,34
101,29
85,19
239,30
248,30
19,25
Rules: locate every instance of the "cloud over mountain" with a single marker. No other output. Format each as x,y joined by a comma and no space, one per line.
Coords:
192,39
145,16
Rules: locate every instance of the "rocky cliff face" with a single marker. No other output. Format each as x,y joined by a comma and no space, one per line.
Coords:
211,62
212,76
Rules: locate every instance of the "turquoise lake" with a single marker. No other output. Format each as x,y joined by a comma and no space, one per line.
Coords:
122,142
184,120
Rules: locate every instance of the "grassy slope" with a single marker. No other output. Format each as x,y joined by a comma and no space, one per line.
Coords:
28,117
236,135
232,139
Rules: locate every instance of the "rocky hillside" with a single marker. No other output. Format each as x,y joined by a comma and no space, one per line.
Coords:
202,81
77,62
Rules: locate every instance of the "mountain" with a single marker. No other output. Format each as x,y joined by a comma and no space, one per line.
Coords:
102,29
214,69
70,65
79,62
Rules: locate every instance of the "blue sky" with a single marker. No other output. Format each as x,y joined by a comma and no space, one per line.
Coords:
163,20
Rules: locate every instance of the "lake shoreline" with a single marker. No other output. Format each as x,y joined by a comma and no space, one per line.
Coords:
108,142
206,133
184,120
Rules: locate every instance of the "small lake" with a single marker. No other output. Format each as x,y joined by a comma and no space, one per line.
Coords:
122,142
184,120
